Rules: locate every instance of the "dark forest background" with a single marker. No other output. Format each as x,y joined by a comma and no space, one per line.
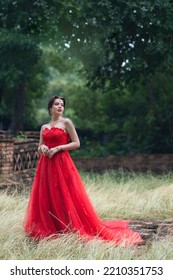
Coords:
112,60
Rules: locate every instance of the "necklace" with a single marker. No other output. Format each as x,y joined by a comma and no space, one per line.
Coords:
53,123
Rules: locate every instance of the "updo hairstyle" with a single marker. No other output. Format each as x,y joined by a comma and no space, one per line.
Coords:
52,99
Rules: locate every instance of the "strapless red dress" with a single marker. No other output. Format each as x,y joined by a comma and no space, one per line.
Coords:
59,203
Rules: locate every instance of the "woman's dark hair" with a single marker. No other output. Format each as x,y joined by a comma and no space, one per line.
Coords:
52,99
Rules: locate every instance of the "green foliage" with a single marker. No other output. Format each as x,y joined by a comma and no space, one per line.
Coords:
150,129
131,37
123,121
21,72
112,60
133,44
18,54
20,62
21,135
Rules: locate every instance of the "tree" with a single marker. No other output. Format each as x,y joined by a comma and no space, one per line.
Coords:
18,60
131,37
133,43
23,25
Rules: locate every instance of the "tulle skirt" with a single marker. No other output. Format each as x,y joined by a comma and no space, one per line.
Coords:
60,204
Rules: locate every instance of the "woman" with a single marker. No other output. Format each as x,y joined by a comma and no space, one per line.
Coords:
58,201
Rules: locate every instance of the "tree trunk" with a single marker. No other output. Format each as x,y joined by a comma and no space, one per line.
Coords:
152,99
1,93
17,123
150,95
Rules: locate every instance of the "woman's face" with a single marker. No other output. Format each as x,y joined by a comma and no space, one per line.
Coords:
57,107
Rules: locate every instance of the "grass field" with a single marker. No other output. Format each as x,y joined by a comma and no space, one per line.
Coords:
115,195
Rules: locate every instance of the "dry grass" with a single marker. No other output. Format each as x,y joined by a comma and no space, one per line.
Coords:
115,195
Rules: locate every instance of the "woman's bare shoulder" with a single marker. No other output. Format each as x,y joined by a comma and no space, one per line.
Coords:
46,125
68,121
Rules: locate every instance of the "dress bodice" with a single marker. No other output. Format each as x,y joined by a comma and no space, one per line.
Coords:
55,136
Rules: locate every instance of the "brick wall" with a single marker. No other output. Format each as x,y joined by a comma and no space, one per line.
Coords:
156,163
25,154
19,157
6,152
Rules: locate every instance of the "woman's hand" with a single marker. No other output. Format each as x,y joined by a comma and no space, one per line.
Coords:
53,151
44,149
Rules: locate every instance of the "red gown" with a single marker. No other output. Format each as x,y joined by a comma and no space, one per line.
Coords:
59,203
